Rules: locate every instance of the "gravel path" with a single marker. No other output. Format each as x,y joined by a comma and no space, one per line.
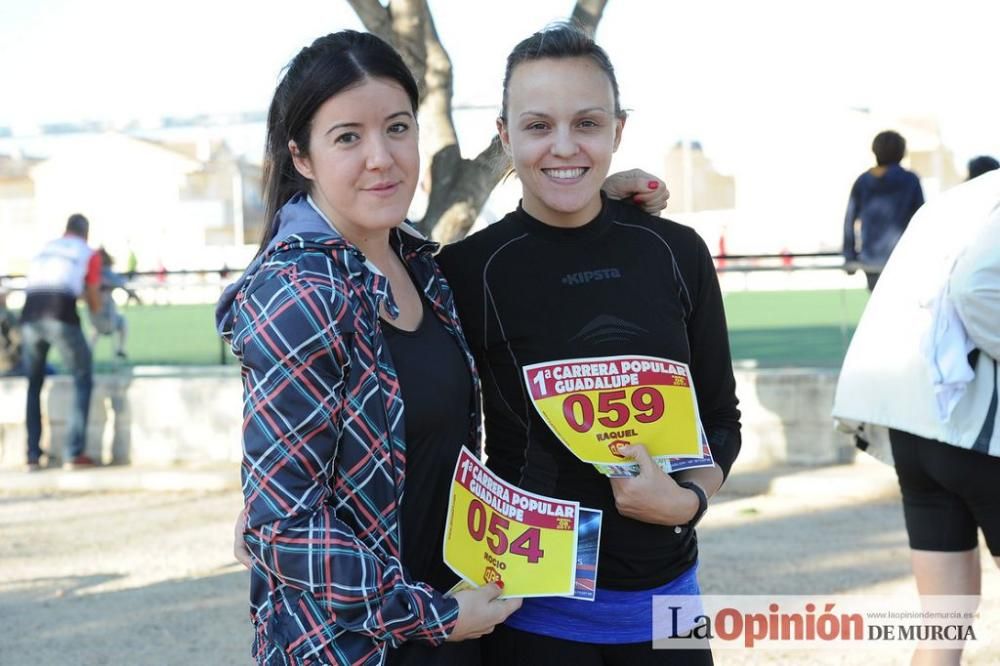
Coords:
148,577
122,578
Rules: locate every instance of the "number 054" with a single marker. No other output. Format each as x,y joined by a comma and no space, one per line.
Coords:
494,530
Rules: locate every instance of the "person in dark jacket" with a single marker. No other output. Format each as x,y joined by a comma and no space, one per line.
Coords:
883,199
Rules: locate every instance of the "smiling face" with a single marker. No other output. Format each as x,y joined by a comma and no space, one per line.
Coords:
561,131
363,159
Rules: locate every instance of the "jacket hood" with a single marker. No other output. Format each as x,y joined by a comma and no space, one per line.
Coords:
301,218
297,217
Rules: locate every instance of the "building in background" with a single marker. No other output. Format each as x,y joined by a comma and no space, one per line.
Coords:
179,205
695,184
17,208
186,193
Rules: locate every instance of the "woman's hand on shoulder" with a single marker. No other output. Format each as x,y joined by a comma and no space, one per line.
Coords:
480,610
639,188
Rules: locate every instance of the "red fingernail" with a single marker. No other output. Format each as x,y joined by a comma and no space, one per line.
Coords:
653,184
499,584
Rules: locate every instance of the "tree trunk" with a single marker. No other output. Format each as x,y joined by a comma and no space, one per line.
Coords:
458,187
461,189
402,25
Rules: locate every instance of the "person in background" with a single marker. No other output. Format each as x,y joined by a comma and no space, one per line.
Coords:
65,270
132,264
10,339
924,363
108,320
982,164
882,201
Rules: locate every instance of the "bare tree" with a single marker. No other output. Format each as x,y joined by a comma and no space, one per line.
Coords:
458,186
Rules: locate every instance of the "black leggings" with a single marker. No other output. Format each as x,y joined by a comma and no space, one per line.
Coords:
510,647
948,492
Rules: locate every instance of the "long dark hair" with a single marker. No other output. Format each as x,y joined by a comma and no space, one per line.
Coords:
328,66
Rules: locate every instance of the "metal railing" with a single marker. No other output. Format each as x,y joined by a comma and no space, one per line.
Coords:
782,261
724,262
201,287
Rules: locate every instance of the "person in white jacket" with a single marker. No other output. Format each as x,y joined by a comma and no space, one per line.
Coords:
923,363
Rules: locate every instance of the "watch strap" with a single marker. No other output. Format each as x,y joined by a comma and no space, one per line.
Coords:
702,501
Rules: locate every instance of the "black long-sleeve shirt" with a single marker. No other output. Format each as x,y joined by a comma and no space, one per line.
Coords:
625,283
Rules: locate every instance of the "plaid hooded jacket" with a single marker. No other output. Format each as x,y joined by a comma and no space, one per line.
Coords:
324,457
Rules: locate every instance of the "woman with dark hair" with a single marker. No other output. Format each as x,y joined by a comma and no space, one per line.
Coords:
572,274
324,322
341,320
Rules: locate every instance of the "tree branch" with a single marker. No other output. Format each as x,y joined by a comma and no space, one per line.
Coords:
453,208
458,188
438,91
587,14
374,17
401,24
409,18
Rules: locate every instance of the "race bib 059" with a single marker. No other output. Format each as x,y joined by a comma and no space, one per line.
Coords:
596,405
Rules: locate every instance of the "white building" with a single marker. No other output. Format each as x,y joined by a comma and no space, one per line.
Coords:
176,206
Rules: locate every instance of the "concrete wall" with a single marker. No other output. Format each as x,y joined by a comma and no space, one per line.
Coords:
193,416
190,416
786,418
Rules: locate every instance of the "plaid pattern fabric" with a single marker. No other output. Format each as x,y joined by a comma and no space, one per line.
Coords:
324,454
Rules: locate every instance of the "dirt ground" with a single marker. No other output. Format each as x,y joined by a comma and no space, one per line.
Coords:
148,577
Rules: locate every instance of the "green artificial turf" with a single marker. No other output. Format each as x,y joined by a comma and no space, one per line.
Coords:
166,335
766,329
793,328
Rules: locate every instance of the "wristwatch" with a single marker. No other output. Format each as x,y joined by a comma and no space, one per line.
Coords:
702,503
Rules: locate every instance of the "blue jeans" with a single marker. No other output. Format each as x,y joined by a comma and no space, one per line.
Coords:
37,337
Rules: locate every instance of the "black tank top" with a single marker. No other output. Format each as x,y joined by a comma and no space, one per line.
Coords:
436,388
